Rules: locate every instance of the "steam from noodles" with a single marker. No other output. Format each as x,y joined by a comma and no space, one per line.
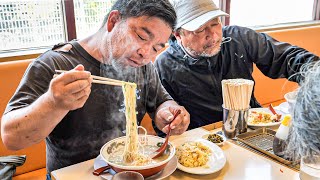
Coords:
237,93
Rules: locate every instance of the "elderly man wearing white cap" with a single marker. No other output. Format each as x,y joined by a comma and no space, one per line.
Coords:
201,53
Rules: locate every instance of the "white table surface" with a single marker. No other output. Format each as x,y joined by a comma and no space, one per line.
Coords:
241,164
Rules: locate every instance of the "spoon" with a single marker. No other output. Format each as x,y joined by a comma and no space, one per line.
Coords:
99,171
163,147
274,112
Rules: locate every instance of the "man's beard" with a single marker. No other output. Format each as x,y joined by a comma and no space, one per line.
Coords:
120,66
116,63
203,53
118,70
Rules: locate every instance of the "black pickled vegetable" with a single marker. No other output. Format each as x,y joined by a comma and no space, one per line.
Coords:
215,138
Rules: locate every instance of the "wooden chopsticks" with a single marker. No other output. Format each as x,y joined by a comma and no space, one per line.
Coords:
98,79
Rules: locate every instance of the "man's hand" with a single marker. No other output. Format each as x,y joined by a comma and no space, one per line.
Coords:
165,115
70,90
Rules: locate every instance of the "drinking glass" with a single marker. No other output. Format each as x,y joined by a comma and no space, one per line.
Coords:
291,97
310,167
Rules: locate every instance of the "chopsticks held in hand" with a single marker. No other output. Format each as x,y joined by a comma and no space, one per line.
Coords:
98,79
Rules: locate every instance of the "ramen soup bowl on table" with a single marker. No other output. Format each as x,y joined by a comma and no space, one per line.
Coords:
111,150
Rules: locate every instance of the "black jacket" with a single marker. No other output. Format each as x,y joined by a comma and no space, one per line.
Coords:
196,83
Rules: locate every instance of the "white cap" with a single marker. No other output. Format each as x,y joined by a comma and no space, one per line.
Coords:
192,14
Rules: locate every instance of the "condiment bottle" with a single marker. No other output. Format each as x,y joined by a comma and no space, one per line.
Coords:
280,139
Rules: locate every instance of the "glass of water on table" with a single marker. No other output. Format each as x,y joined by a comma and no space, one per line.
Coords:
310,167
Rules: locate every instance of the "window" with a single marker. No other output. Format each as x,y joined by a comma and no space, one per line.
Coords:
34,24
258,13
217,2
89,15
30,24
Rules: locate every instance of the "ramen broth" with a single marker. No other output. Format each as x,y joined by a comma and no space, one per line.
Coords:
117,156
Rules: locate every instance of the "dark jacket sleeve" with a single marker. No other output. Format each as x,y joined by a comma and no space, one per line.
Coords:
274,59
163,74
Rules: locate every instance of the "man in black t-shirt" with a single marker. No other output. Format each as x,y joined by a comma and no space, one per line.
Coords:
77,117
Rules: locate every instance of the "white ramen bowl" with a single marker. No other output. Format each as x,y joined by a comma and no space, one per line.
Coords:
146,170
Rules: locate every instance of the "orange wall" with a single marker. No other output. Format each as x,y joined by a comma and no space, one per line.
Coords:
10,76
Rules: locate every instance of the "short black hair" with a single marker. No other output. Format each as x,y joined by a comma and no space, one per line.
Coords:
161,9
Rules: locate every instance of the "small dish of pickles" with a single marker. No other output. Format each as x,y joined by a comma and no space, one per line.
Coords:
215,138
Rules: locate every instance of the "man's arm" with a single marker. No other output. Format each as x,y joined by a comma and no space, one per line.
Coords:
274,59
29,125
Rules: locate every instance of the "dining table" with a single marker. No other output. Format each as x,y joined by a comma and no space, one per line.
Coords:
241,163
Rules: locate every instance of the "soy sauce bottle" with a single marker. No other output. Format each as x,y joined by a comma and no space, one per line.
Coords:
280,139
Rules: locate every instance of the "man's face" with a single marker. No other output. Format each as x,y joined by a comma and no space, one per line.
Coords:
203,42
135,42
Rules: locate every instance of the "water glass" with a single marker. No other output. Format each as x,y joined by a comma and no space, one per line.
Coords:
291,97
310,168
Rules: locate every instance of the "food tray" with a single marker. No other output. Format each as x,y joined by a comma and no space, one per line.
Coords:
262,140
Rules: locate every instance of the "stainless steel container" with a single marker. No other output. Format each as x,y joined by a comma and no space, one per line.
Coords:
234,122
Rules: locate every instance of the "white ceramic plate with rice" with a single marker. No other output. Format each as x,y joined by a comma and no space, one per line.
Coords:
263,124
217,159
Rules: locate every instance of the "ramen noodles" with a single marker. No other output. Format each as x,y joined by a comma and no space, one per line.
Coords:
134,151
131,144
139,160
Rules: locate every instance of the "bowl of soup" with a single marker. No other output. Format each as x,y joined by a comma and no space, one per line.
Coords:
113,153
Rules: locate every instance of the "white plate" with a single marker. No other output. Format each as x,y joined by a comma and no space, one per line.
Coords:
219,144
167,171
265,124
216,162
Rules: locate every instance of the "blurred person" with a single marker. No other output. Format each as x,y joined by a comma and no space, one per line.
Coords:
304,133
202,53
75,117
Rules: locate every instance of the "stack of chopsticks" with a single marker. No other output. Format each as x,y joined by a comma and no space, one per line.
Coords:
98,79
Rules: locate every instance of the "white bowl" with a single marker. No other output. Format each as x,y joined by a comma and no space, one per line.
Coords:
146,170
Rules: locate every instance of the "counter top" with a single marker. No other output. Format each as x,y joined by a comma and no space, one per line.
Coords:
241,164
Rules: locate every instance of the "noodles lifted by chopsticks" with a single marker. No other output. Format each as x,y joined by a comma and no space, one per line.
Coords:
131,145
131,153
237,93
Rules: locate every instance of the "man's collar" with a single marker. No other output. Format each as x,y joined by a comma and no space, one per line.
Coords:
186,54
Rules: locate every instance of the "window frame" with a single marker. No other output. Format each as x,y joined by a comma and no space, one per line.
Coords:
70,21
225,6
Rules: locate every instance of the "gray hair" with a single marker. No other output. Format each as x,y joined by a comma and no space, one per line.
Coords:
304,135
